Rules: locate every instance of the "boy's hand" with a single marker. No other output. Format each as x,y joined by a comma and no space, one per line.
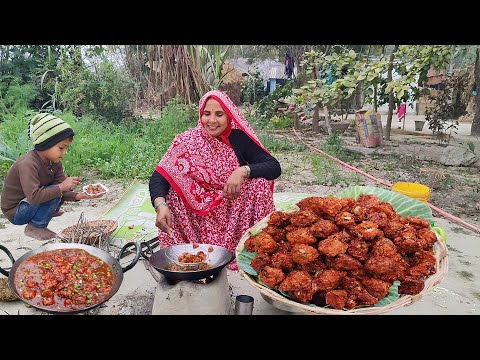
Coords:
82,196
69,183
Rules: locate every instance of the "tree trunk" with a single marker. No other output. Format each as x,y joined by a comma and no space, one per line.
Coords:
296,121
315,118
475,130
375,97
327,120
391,98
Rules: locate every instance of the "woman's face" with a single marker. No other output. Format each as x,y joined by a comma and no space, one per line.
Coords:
214,118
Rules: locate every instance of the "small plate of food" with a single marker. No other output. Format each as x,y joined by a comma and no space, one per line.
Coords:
95,189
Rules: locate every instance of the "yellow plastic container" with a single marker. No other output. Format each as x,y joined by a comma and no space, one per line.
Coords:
413,190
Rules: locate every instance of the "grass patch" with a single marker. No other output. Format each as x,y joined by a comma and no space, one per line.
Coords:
127,150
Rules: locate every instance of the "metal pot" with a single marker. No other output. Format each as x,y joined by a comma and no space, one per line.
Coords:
217,260
106,257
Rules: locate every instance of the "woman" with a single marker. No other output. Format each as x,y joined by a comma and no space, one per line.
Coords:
215,181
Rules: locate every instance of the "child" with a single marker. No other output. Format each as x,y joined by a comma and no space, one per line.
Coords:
35,186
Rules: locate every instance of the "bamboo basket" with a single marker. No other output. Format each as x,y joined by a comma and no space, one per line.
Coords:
89,232
283,303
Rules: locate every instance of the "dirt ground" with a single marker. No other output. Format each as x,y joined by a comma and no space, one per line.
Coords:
456,190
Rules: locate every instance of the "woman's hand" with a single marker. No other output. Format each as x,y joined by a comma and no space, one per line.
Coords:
232,187
164,219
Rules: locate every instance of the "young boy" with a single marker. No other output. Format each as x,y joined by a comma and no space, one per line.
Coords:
35,186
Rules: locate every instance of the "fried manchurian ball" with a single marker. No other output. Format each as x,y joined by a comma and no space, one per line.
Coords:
331,246
368,200
347,204
323,229
313,267
384,207
265,244
417,222
271,276
376,287
427,235
276,233
378,218
282,260
279,219
367,230
260,261
327,280
392,229
408,243
346,262
284,246
358,248
303,218
303,254
337,298
301,236
302,296
342,236
345,219
355,288
411,286
385,247
296,280
423,256
359,213
385,268
250,244
332,206
313,203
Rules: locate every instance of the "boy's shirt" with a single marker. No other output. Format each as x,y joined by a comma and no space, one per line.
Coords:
27,179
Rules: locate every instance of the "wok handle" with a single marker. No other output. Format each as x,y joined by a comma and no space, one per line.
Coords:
149,250
134,261
6,251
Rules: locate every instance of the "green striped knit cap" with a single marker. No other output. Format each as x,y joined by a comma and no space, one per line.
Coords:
46,130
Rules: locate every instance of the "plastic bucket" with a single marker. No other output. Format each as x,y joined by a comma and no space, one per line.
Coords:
413,190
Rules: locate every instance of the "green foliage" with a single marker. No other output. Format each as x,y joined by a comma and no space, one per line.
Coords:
275,144
349,71
16,98
267,106
107,93
441,110
128,149
280,121
125,150
253,88
333,145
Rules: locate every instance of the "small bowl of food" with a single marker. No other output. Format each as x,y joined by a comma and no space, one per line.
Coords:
95,189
